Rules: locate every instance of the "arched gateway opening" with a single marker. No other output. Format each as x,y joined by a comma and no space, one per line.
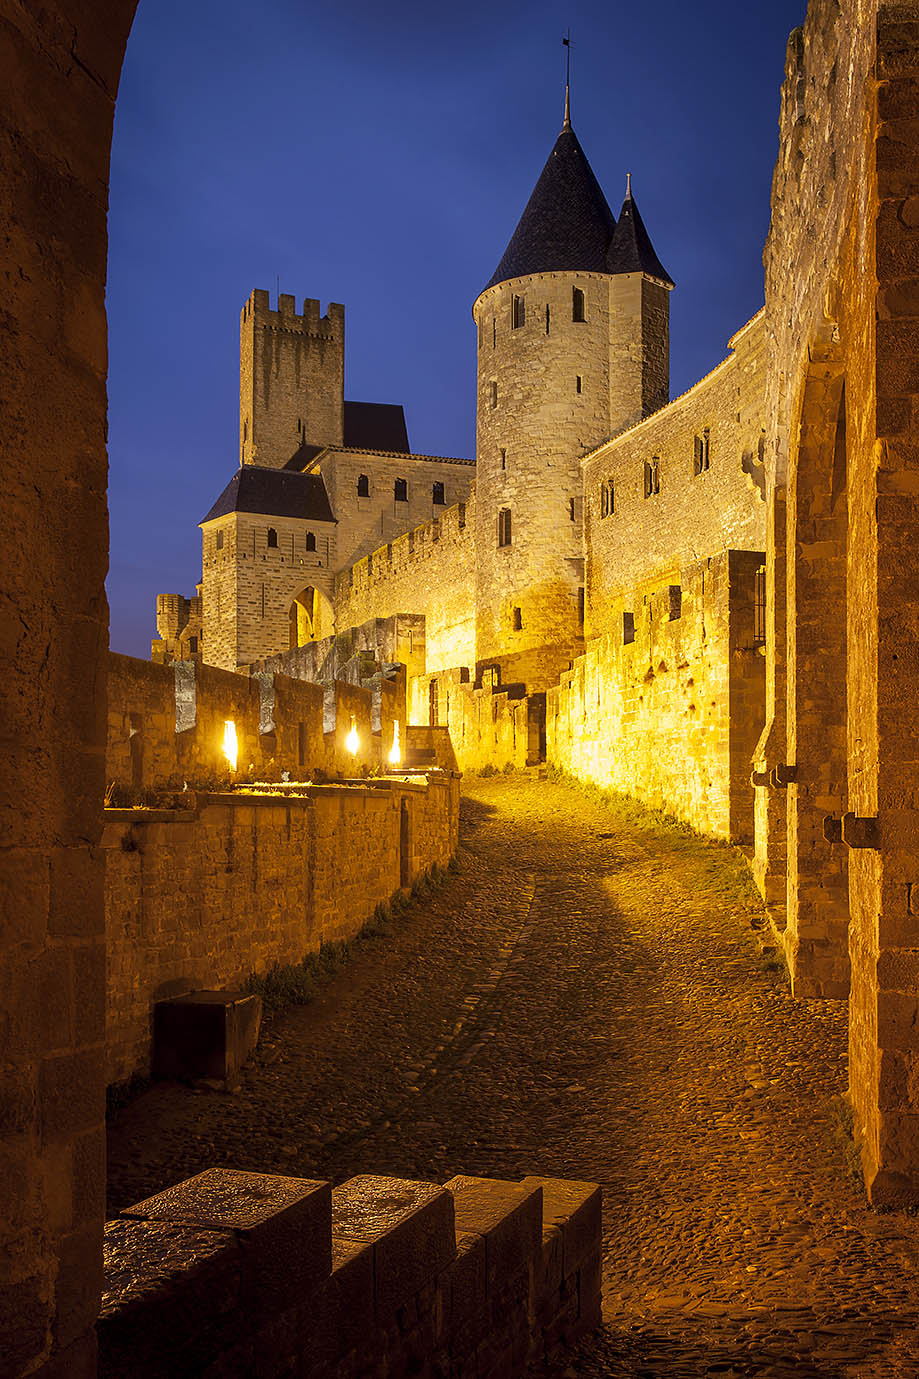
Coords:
310,617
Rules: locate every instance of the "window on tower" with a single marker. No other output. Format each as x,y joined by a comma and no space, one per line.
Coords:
400,490
607,498
518,312
503,458
577,304
438,496
494,392
504,527
628,628
272,538
220,541
700,452
578,384
518,620
310,540
652,477
363,486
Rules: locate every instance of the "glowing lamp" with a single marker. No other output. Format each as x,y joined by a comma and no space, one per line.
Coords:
230,743
352,741
395,755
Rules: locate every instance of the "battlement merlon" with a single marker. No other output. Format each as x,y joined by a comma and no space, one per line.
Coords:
285,317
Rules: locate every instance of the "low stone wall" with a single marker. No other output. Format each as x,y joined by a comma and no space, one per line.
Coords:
166,725
201,897
672,716
248,1273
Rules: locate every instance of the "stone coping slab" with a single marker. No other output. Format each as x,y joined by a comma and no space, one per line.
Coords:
508,1215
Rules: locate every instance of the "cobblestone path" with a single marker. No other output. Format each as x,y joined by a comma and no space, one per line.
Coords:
587,998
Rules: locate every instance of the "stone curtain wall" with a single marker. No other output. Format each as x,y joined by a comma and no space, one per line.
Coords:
166,726
245,1273
430,570
200,897
842,265
672,717
692,515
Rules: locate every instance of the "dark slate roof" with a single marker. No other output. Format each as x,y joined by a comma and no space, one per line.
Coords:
375,426
274,493
567,224
631,250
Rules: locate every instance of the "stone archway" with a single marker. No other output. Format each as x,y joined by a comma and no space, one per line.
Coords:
61,65
310,617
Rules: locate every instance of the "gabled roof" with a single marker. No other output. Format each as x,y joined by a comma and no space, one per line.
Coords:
375,426
273,493
631,250
566,225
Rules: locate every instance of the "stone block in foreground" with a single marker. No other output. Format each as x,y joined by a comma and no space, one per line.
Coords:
254,1274
205,1034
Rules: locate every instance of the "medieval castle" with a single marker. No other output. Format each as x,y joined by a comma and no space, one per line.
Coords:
594,509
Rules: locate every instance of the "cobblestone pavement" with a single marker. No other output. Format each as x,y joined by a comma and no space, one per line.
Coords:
587,998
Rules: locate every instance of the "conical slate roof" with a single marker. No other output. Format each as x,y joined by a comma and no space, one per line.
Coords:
567,224
631,250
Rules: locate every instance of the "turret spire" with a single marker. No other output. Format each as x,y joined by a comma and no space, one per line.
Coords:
566,124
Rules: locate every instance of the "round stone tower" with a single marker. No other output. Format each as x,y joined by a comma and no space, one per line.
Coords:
572,348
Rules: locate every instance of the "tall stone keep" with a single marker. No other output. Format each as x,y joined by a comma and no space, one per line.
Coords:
573,347
291,378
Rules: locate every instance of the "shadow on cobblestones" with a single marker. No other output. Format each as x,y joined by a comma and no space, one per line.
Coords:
586,998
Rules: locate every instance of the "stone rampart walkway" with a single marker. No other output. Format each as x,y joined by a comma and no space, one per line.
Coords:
586,998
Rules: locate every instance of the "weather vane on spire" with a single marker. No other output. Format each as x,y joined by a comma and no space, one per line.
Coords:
567,43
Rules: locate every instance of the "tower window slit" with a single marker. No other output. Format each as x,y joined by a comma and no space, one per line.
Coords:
504,527
577,304
578,383
518,312
363,486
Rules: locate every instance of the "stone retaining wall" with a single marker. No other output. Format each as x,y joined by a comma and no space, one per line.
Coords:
248,1273
201,897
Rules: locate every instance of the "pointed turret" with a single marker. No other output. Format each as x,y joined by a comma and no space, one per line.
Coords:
631,250
567,224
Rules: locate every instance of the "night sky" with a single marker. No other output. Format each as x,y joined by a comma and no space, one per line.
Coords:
380,156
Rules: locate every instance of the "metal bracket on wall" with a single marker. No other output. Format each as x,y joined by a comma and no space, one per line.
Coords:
860,833
783,776
832,828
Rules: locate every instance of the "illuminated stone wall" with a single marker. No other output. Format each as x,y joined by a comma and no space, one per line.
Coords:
487,728
200,897
634,535
672,716
842,264
430,570
166,726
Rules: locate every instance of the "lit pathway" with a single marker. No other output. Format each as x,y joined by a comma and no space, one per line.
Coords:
587,999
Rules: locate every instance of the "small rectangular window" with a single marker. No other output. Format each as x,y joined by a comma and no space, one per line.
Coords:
400,491
220,541
700,457
363,486
494,393
577,304
547,318
759,607
494,332
193,645
518,620
652,477
628,628
272,538
504,527
518,312
571,510
581,606
438,496
675,597
503,458
607,498
578,383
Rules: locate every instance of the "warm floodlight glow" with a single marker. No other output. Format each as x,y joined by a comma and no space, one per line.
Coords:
230,744
352,741
395,755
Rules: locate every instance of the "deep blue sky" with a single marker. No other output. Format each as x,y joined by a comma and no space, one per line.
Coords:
380,156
